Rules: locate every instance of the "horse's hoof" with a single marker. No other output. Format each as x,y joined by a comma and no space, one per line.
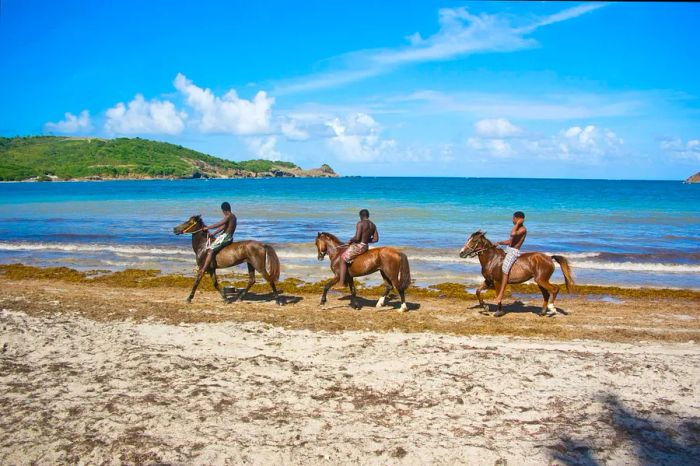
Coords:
500,313
486,307
188,300
403,308
380,303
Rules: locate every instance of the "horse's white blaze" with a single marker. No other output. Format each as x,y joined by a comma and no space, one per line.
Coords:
403,308
380,303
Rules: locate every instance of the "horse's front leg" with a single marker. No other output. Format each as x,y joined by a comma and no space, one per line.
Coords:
483,287
200,274
328,286
215,282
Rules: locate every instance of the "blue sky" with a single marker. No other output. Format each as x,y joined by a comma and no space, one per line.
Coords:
571,90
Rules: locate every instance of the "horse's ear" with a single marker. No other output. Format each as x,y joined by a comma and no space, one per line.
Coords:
319,235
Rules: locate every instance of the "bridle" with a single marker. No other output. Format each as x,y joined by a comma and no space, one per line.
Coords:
326,241
475,252
193,224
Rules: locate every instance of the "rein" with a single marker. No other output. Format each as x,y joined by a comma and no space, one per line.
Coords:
479,251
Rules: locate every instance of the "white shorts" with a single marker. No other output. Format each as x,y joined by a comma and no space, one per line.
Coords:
512,255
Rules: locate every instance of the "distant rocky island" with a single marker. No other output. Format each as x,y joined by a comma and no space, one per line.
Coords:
694,179
52,158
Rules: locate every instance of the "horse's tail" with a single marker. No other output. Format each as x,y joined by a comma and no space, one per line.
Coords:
272,264
566,270
404,278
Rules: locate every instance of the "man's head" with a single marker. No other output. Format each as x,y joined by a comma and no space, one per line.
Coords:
518,217
364,213
225,207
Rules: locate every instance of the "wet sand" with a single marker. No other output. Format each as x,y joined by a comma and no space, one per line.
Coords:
106,374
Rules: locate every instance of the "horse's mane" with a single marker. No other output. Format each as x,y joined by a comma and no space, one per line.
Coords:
331,236
483,235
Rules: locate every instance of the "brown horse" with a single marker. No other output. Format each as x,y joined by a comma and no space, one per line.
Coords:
529,265
391,263
258,256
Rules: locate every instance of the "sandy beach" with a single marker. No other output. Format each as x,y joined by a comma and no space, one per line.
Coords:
98,374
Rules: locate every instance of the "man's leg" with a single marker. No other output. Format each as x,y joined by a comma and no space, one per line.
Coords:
504,283
207,261
343,272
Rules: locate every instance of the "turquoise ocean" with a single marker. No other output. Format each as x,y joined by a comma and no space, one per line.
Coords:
628,233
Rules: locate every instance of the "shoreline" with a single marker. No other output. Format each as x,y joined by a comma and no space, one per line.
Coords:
595,313
154,278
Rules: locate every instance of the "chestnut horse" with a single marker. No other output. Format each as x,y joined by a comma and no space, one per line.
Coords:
391,263
258,256
529,265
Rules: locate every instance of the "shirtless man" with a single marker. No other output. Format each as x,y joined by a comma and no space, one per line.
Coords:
228,226
365,233
513,244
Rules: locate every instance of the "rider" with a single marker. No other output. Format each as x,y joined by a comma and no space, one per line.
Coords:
365,233
228,226
513,244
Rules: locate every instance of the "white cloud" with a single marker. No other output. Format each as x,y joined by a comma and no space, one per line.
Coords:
588,144
682,150
264,147
71,124
496,147
560,106
145,117
293,130
496,128
356,138
228,113
461,33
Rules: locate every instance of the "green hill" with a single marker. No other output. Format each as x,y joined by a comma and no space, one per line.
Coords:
50,157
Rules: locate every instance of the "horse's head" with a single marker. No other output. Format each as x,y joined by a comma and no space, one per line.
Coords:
323,241
321,245
476,243
191,225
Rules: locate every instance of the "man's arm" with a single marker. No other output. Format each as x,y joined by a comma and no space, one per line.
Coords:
215,225
375,236
358,234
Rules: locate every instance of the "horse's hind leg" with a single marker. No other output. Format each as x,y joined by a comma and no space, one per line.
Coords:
278,300
404,307
387,289
251,282
545,299
553,291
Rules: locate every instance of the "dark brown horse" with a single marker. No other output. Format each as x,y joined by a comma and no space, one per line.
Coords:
258,256
391,263
529,265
